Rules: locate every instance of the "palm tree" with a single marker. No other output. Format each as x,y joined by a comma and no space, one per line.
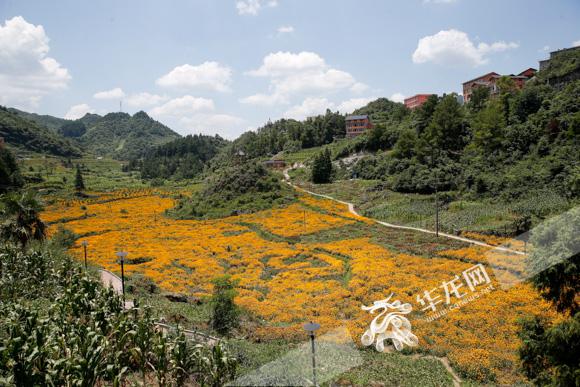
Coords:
20,218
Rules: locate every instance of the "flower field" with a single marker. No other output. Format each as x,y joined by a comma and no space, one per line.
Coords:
292,269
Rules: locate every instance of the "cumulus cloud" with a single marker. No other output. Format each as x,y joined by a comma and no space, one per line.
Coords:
285,29
183,106
253,7
78,111
226,125
576,43
27,73
308,108
116,93
264,100
292,74
144,100
453,47
397,97
189,114
208,75
352,104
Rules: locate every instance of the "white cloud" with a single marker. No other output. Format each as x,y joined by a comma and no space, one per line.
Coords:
284,63
78,111
253,7
576,43
397,97
116,93
546,48
300,74
352,104
264,100
227,125
308,108
285,29
208,75
189,114
26,72
183,106
143,100
453,47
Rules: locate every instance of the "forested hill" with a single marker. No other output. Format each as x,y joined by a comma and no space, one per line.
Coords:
181,158
117,135
28,136
50,122
123,136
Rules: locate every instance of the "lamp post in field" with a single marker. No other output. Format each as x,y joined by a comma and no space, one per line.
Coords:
85,244
121,255
312,327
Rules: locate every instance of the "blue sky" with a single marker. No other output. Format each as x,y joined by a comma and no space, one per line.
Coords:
227,66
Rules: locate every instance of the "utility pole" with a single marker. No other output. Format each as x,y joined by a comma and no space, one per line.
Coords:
436,191
312,327
85,244
121,255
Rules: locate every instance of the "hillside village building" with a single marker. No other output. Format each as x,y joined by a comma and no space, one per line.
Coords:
416,100
357,125
489,80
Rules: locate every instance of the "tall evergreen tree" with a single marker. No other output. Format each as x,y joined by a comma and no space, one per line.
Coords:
79,182
322,168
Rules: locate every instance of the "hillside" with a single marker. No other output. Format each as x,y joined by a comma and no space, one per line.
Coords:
45,120
122,136
28,136
183,158
117,135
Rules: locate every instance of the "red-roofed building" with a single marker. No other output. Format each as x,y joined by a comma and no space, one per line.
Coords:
357,125
489,80
416,100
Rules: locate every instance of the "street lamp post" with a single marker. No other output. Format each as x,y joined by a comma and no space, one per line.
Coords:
85,244
311,327
121,255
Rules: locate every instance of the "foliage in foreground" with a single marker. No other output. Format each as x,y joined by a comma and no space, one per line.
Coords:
20,218
549,353
84,336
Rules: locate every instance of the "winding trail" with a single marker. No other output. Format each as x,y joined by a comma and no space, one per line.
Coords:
109,279
352,210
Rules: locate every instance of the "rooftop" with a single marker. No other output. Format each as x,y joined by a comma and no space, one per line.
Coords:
360,117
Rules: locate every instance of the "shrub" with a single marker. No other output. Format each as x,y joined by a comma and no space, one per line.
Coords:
225,313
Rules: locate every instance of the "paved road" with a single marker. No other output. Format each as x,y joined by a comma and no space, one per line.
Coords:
352,210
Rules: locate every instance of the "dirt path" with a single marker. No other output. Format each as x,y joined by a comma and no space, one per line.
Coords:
352,210
109,279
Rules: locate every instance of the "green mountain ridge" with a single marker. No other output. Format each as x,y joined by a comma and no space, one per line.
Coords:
122,136
27,136
116,135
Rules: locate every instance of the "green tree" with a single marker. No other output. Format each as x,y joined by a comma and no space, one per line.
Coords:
478,99
322,168
225,313
10,177
549,353
20,216
446,132
488,126
79,182
405,146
